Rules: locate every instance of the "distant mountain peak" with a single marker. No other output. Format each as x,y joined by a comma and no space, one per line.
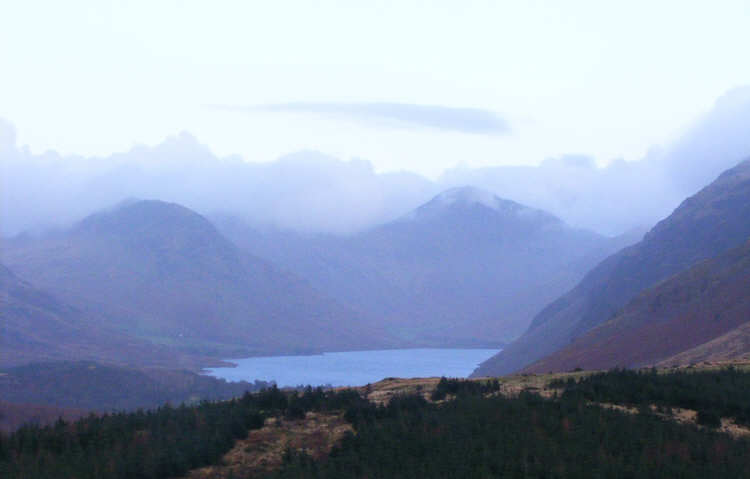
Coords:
142,214
469,195
461,199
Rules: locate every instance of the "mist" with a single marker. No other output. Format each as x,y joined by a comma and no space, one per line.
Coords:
309,191
305,191
626,195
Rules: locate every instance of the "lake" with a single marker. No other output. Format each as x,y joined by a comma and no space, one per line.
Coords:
355,368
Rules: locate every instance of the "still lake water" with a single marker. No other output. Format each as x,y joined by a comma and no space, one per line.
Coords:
355,368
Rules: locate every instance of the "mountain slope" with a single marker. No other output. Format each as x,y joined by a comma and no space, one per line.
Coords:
465,269
732,346
162,272
35,325
31,320
703,226
684,312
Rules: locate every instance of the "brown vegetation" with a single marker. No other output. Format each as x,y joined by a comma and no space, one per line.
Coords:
704,226
700,314
263,449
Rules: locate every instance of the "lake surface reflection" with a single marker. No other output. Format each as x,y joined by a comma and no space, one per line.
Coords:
355,368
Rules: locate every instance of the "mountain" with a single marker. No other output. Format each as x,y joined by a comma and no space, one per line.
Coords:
163,273
465,269
708,303
703,226
35,325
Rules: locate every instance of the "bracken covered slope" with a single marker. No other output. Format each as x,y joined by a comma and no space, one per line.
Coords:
706,302
705,225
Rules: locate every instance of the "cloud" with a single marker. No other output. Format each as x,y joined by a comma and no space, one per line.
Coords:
624,195
312,192
306,191
396,115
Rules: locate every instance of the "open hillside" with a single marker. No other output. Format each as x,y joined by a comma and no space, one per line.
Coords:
709,303
705,225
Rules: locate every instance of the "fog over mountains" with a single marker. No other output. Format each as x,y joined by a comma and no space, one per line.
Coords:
466,268
162,273
624,195
313,192
169,250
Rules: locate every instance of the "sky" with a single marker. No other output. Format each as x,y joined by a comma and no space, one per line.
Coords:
415,86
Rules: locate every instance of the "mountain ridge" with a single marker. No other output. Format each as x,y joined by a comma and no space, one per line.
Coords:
680,314
703,226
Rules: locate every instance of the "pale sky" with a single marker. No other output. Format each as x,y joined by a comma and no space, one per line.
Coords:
418,86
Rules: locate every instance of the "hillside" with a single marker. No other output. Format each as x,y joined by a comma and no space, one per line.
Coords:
710,302
703,226
37,326
163,273
465,269
732,346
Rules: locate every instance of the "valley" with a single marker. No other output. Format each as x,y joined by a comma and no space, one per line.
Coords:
290,240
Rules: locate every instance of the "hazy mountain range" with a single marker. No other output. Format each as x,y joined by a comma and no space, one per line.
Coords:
161,272
310,254
465,269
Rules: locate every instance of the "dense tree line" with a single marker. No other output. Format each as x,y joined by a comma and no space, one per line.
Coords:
714,394
165,442
476,436
453,387
471,433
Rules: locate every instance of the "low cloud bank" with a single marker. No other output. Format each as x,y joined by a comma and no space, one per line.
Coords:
309,191
306,191
625,195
